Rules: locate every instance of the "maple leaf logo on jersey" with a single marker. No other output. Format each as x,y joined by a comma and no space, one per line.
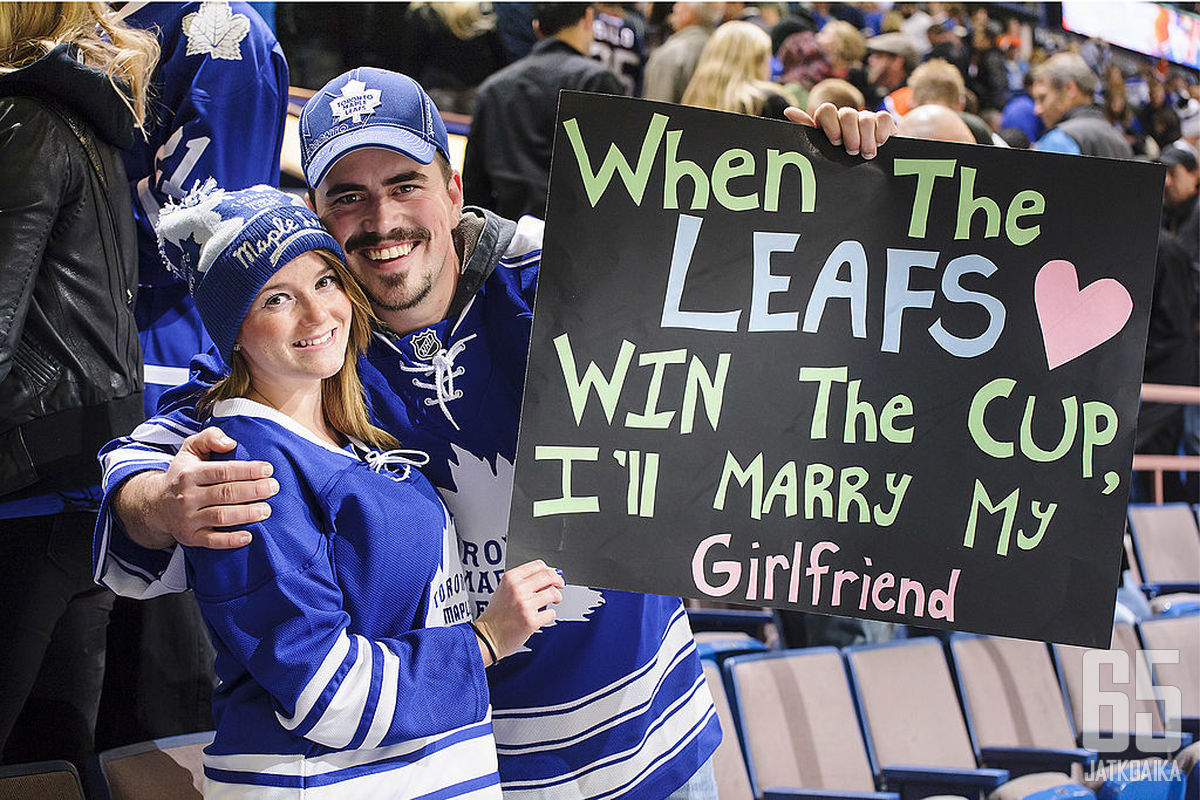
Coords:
355,102
425,345
216,31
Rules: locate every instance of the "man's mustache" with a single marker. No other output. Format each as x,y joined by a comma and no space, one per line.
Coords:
372,239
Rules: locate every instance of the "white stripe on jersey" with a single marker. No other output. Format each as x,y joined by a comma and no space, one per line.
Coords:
520,730
614,775
165,376
475,752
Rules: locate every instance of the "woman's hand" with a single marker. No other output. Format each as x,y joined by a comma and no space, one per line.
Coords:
521,605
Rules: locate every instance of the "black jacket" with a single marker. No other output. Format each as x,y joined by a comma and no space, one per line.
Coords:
507,164
70,366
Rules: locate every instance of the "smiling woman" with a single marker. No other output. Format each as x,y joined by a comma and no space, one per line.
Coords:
344,625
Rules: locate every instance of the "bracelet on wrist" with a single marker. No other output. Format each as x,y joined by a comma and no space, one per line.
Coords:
486,642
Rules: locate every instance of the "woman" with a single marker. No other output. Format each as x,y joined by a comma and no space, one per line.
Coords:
72,90
348,660
732,73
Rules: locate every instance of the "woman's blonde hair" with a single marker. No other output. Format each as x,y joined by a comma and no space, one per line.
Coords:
732,70
465,20
342,397
30,30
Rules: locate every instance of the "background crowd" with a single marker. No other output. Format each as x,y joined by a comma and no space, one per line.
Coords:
1004,74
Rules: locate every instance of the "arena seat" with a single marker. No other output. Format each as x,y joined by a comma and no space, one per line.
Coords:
733,783
916,731
43,780
799,726
163,768
1166,541
1015,708
1130,677
1181,634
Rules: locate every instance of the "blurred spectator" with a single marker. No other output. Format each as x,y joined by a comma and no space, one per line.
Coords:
935,122
1157,118
671,66
73,87
988,74
1014,137
1181,214
218,111
514,21
507,164
891,58
1189,125
1172,357
845,48
1019,113
762,15
1118,111
732,73
915,25
937,82
946,43
450,48
842,94
804,66
797,20
619,43
1062,92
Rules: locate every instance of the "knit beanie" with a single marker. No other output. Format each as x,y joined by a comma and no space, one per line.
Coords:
227,245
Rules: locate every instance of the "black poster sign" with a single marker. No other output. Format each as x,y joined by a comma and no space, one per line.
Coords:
763,371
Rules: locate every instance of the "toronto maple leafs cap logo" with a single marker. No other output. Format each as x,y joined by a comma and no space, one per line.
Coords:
226,245
369,107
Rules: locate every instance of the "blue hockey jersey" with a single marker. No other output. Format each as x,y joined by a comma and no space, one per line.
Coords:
217,110
609,701
343,671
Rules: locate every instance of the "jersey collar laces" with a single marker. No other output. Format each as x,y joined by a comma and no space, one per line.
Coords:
441,368
378,460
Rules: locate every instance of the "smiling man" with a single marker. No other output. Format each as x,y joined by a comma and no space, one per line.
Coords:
610,700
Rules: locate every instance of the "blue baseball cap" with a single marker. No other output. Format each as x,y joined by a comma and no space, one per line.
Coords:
369,107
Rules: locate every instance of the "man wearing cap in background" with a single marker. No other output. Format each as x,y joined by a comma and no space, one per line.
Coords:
1062,91
608,702
1181,213
891,58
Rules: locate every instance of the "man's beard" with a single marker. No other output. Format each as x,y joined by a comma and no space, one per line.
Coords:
383,297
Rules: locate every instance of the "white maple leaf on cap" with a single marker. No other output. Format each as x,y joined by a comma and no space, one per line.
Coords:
216,31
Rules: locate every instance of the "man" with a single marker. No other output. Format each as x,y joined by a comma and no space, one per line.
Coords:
219,107
938,82
891,58
609,701
507,164
1062,91
935,122
671,66
1181,213
619,43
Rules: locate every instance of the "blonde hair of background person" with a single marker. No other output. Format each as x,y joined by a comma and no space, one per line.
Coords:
128,56
732,72
844,45
342,397
465,20
939,82
842,94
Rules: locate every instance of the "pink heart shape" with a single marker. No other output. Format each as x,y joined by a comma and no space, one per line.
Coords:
1074,321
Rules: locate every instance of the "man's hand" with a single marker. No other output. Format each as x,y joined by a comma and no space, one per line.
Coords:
195,496
857,131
